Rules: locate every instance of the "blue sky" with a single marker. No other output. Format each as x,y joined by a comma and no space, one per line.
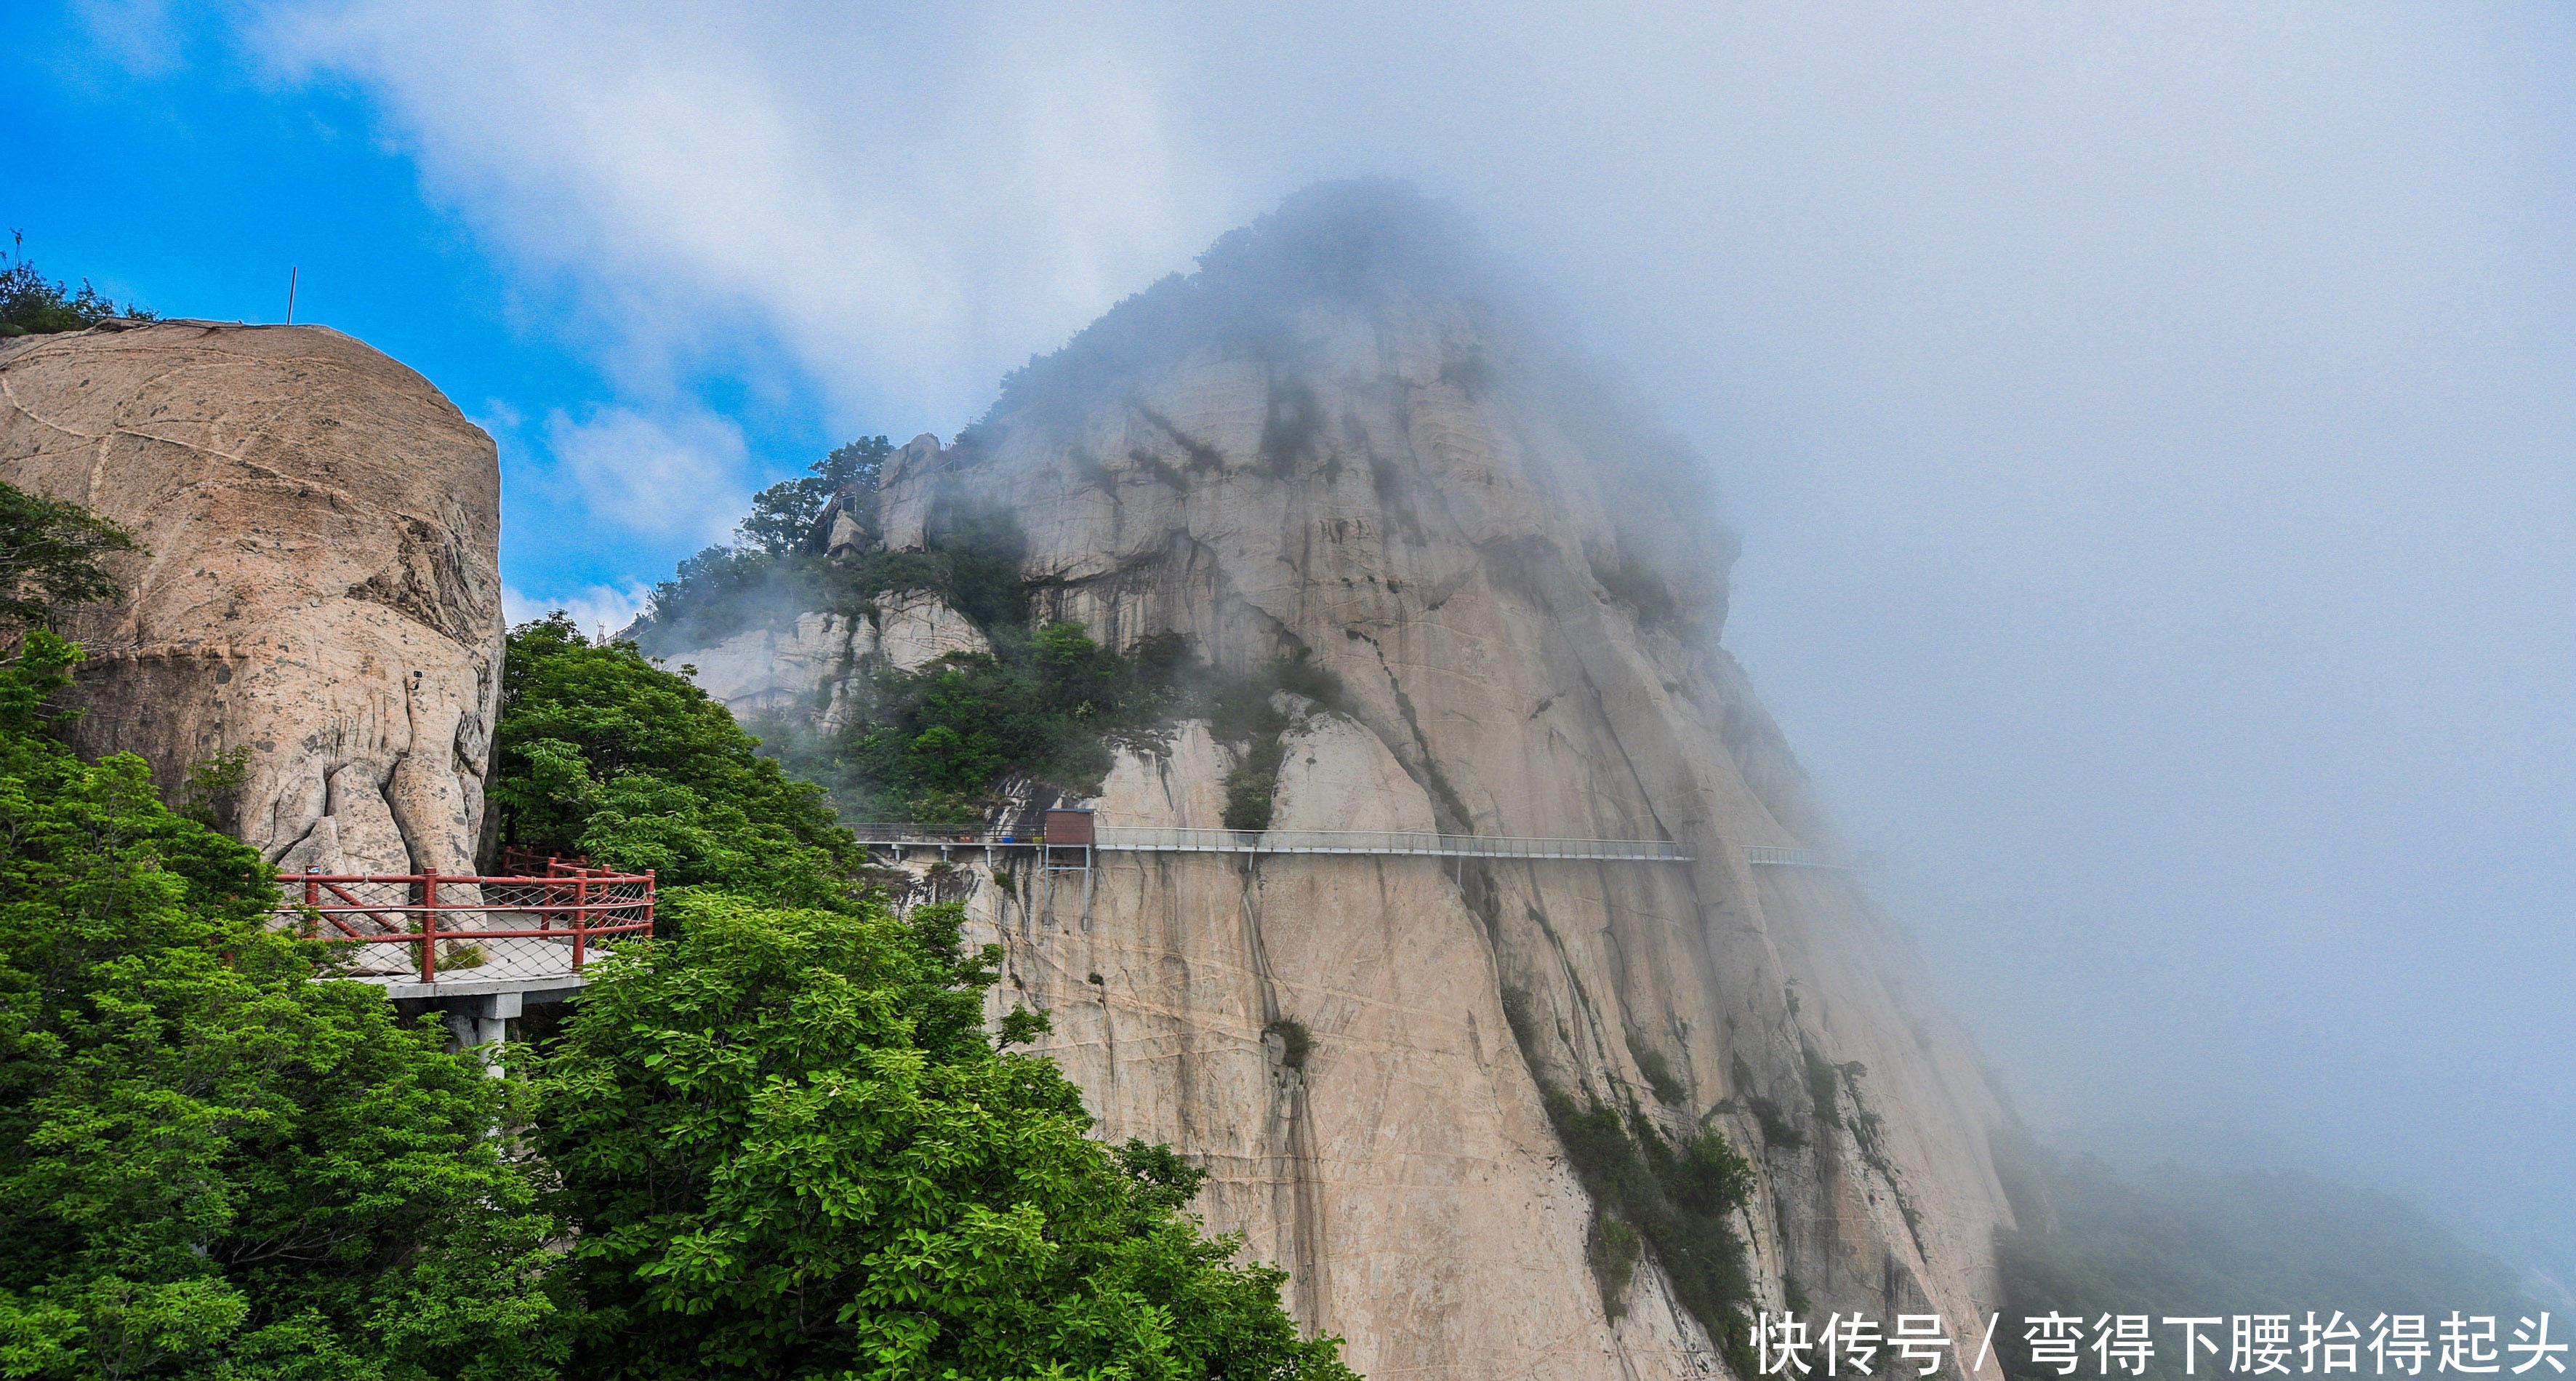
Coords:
2152,428
195,187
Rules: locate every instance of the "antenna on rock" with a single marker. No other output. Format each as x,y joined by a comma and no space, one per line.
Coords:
291,272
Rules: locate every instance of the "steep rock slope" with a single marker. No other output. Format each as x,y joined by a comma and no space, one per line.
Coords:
813,664
321,581
1331,447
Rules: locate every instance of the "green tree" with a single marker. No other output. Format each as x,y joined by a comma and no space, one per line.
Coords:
49,556
773,564
33,305
212,1164
783,516
605,754
793,1151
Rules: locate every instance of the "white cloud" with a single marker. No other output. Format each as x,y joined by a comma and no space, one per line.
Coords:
595,609
2170,397
905,206
670,476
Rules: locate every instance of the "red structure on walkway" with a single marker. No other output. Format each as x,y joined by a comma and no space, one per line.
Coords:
409,927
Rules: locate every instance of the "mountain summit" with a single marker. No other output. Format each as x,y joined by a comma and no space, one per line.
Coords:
1509,1115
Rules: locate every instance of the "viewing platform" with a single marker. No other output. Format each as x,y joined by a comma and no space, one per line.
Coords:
478,948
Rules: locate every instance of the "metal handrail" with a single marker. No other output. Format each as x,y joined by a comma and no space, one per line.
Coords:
1147,839
1781,856
1154,839
905,833
574,907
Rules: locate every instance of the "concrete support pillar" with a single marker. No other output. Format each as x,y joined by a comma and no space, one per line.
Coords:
480,1021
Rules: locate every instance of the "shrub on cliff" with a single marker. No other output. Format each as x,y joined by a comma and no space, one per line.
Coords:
929,744
32,304
792,1150
210,1163
605,754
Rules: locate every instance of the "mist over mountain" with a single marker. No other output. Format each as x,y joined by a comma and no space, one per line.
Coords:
1352,540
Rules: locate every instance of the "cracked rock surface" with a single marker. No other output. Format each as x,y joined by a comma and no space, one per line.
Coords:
320,582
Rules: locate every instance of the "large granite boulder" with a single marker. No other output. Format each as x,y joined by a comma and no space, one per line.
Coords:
320,583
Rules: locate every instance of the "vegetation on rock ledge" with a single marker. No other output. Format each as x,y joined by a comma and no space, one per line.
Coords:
34,305
1680,1200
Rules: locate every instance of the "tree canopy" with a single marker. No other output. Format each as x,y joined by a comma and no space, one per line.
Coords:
49,555
773,565
796,1153
928,744
605,754
210,1162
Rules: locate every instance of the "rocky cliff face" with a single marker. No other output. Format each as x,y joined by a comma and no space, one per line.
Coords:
320,583
1323,449
813,664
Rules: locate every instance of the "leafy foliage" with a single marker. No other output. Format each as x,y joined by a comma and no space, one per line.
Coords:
1658,1071
34,305
209,1162
783,516
794,1152
1243,713
1612,1249
605,754
1252,787
929,744
214,784
49,557
1679,1200
775,567
1295,1041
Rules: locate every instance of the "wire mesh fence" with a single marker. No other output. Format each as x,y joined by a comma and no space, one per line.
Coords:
1780,856
422,927
1151,839
1143,839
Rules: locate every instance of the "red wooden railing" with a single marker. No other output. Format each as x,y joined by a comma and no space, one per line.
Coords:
520,926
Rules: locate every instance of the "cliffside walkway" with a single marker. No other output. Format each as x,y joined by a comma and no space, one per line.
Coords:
1777,856
1143,839
1139,839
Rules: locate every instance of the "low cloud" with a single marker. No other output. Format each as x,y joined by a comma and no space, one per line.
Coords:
594,609
675,476
898,222
2148,424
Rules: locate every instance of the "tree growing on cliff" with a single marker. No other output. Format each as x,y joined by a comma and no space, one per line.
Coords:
212,1164
32,304
605,754
773,564
793,1151
783,516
